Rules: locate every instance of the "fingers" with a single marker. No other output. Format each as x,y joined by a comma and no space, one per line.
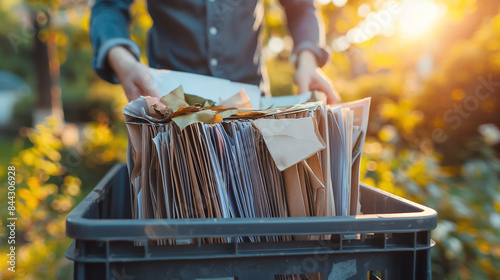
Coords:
336,96
332,96
136,81
131,91
322,83
145,84
303,84
307,79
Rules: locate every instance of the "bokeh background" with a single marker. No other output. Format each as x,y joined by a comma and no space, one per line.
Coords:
432,68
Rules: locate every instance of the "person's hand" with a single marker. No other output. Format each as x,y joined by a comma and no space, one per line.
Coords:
309,77
134,76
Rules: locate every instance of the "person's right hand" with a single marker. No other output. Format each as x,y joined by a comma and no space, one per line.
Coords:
134,76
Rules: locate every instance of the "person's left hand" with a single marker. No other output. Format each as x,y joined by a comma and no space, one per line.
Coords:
310,77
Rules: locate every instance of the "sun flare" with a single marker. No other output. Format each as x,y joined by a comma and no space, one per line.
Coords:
418,16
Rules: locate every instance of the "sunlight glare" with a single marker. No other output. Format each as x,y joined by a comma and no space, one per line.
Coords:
323,2
339,3
417,16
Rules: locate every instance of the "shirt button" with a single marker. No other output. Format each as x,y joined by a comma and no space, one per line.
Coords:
214,62
212,30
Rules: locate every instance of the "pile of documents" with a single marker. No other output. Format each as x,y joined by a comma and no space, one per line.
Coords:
192,159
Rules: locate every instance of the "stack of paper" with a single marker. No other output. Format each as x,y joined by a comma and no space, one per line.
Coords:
347,124
191,159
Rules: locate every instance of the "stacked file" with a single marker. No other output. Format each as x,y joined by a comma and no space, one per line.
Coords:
190,159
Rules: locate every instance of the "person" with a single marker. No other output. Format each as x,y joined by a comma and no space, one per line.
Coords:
219,38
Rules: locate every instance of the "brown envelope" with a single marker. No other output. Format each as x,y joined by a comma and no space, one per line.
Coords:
313,169
293,189
285,135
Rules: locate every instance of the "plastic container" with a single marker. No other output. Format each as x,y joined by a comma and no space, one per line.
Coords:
391,240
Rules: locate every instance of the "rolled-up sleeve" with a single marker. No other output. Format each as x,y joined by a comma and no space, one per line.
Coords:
305,28
109,25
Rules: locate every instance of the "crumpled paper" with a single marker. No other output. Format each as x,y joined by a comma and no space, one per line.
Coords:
184,109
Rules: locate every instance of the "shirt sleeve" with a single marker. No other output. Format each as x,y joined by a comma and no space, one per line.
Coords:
305,28
109,24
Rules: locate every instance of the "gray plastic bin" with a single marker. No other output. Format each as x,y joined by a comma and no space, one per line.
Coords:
391,240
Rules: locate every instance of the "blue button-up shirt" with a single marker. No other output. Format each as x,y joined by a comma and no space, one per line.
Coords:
220,38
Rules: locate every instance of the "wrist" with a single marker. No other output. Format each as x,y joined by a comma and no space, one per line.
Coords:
120,59
306,58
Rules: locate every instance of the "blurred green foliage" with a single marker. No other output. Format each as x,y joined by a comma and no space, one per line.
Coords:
53,173
427,139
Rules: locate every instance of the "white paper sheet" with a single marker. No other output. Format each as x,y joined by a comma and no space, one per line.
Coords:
204,86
